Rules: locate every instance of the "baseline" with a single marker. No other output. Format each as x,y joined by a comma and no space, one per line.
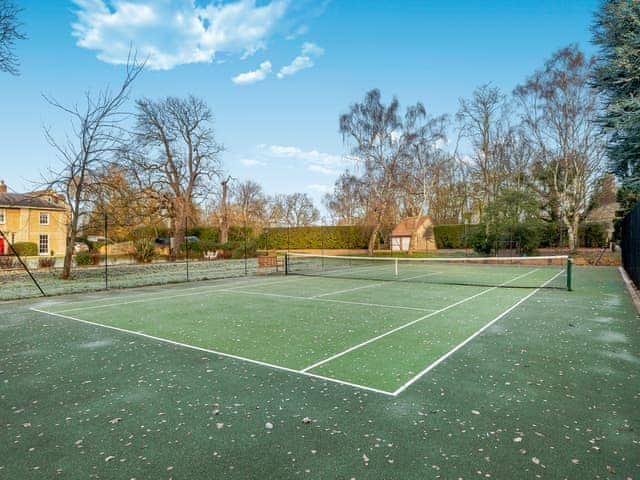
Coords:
216,352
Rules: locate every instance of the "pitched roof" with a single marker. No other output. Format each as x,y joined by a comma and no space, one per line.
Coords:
22,200
408,226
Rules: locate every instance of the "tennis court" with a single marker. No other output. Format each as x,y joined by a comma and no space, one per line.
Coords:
373,324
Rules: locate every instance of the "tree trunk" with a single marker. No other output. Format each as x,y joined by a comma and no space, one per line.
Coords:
572,234
68,252
224,215
372,240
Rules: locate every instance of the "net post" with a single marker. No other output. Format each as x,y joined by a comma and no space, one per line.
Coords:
396,267
569,273
286,263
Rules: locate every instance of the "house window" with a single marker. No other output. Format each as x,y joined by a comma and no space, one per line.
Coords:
44,218
43,245
2,216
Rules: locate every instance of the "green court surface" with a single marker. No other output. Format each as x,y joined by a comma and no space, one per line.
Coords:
325,377
375,335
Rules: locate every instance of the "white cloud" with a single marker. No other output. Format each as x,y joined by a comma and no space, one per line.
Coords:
301,30
249,162
174,32
302,61
254,75
319,162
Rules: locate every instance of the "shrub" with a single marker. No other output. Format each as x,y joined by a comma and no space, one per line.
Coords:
85,258
592,235
144,250
46,262
8,261
239,251
26,249
329,237
454,236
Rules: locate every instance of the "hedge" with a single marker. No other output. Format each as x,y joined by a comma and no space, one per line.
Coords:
453,236
340,237
26,249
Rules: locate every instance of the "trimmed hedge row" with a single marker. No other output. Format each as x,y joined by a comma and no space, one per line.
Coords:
340,237
453,236
590,235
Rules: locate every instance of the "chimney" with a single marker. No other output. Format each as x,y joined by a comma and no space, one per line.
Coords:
3,187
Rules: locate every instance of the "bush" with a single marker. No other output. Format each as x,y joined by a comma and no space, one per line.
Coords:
84,259
334,237
144,250
46,262
592,235
26,249
8,261
239,250
453,236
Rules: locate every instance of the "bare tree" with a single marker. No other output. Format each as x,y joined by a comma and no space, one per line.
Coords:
346,204
559,109
85,152
250,202
9,33
381,140
293,210
177,155
484,123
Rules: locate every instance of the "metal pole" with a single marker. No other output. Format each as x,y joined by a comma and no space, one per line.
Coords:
106,253
246,266
570,273
186,243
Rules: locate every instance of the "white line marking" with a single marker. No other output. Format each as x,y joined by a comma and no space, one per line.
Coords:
215,352
459,346
378,284
330,300
371,340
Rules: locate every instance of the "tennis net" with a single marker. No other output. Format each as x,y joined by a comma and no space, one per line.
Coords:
510,272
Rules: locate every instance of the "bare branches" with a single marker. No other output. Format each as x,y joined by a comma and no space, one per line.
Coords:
84,153
177,154
9,32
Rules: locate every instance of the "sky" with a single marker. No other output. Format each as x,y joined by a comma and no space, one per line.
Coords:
276,73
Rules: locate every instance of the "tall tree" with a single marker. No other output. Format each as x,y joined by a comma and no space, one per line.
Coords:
617,77
250,203
558,112
293,210
381,139
484,122
178,155
9,33
84,154
346,203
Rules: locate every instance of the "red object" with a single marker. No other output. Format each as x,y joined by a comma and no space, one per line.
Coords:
1,246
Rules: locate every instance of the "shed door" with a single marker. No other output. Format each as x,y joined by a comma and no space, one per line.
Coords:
395,243
406,242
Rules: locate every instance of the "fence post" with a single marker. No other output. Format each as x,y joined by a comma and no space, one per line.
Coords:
106,252
186,243
246,266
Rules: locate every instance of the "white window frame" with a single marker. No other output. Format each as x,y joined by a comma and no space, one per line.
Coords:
46,214
42,251
3,216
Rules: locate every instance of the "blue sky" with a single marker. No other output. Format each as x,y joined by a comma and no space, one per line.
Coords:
277,73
